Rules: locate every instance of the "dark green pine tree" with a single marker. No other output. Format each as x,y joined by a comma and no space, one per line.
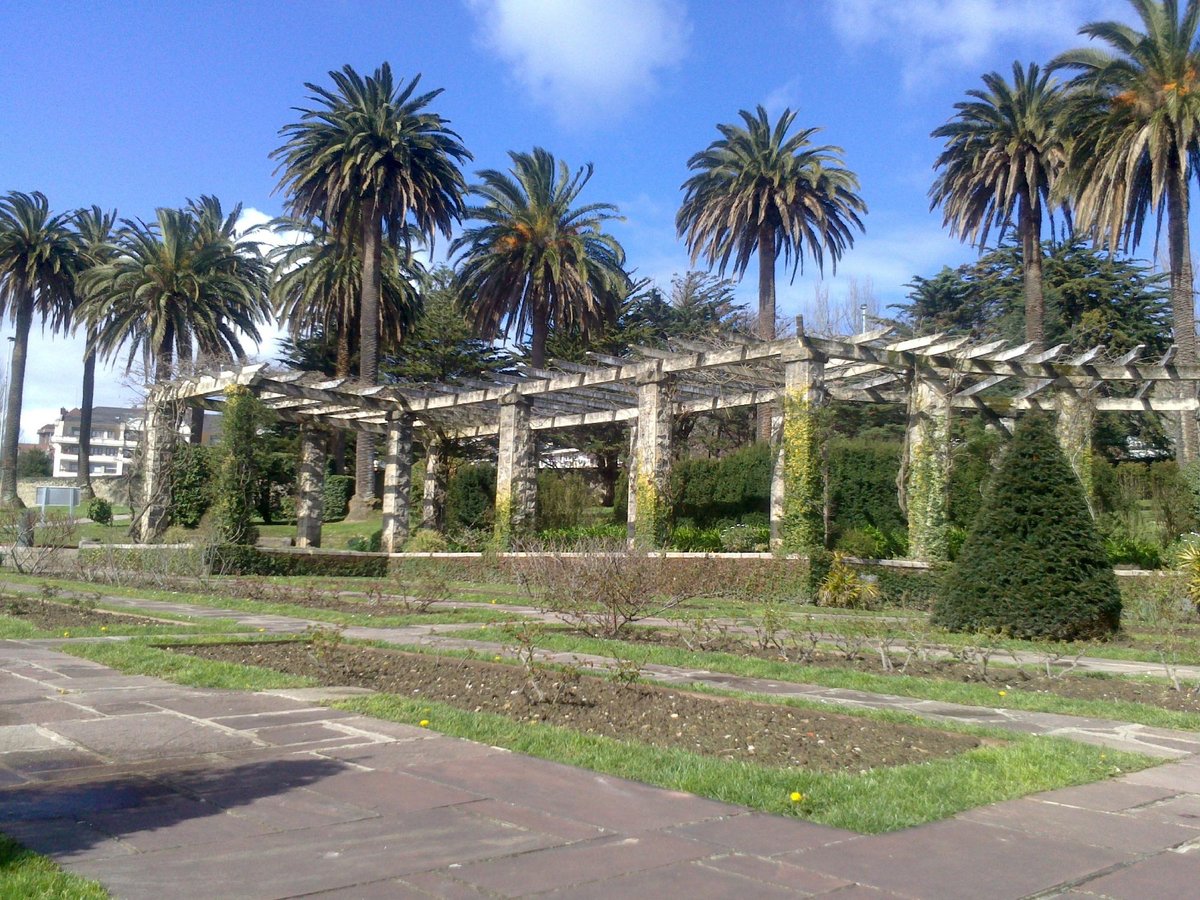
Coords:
1033,565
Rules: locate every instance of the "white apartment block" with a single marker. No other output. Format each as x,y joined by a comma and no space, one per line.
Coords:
115,436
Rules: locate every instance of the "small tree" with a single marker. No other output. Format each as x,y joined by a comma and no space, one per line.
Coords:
1033,565
238,475
34,463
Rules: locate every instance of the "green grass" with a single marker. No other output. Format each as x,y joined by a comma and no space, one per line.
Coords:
139,657
968,694
876,801
19,628
25,875
334,535
227,601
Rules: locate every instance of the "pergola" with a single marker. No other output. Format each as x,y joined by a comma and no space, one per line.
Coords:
930,375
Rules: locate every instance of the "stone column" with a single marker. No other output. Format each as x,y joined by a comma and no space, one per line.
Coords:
926,491
1074,429
650,473
310,500
159,434
797,494
433,502
397,482
516,472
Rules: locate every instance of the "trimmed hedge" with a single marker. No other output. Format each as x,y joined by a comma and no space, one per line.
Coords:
237,559
709,492
337,491
862,484
1033,565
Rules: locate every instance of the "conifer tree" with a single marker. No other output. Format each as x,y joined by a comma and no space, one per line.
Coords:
1033,565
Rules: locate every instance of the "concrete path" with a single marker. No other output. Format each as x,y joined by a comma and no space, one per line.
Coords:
159,791
1152,741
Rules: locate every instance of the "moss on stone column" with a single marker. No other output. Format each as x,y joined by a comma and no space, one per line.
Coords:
927,486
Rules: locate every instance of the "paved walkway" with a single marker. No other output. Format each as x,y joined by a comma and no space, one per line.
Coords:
159,790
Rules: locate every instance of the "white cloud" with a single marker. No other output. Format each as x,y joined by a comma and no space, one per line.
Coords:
585,58
933,37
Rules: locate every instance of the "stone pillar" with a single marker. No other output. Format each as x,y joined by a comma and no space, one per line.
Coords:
310,499
926,491
1074,429
159,434
650,473
797,491
433,502
397,482
516,472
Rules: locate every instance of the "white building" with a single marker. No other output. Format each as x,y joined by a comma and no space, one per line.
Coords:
115,436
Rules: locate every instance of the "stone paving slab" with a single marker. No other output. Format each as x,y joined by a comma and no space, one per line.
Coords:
376,809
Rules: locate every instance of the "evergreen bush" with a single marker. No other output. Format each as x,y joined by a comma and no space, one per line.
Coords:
862,485
192,471
707,491
1033,565
241,465
471,496
100,511
337,491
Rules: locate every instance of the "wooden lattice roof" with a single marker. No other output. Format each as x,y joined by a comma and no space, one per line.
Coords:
874,366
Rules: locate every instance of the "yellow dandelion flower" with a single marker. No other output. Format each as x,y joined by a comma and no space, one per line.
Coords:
1003,693
796,796
424,723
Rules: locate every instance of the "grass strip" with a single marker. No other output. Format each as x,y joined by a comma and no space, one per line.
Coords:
221,601
140,658
871,802
25,875
968,694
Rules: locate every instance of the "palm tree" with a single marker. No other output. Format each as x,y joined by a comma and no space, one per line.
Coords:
1004,153
1136,132
757,190
316,284
174,290
95,228
38,255
369,158
536,263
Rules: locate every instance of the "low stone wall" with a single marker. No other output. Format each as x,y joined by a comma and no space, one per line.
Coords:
115,490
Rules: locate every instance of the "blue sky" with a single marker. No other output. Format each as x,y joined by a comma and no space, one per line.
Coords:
139,105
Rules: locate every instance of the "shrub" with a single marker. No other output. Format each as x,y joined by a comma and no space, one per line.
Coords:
192,471
564,538
369,544
237,478
844,587
1127,550
34,462
1033,565
471,496
100,511
709,490
862,485
239,559
690,539
336,495
743,538
426,540
601,590
562,498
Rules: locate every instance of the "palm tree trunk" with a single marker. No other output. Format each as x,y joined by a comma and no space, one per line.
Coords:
766,310
84,478
363,500
16,394
541,326
1030,225
337,438
196,425
1182,301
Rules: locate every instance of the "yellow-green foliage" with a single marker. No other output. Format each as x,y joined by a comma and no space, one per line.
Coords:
843,587
928,492
653,514
803,526
502,533
1189,565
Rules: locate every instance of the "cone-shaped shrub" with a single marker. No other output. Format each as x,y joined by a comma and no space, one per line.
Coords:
1033,565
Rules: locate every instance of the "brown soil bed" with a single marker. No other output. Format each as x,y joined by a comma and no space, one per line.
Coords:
1029,678
773,735
54,616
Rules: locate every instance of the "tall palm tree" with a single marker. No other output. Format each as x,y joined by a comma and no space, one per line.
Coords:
369,158
170,292
96,230
535,263
38,255
1136,128
759,190
1003,156
316,283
